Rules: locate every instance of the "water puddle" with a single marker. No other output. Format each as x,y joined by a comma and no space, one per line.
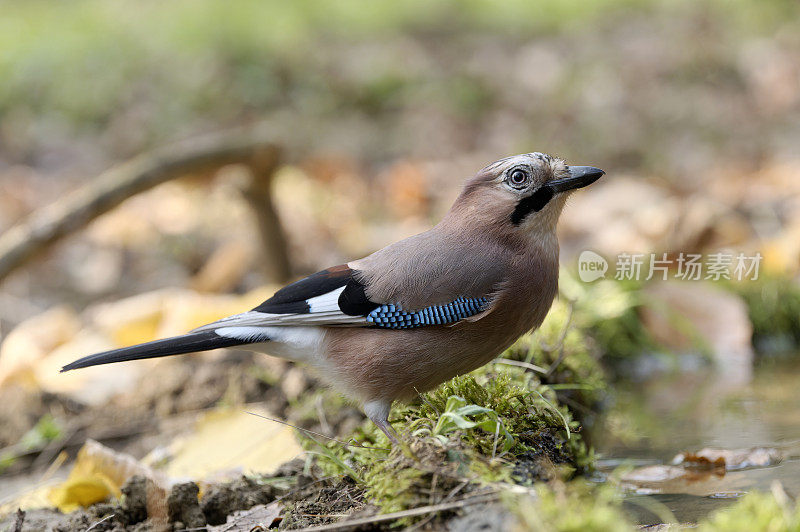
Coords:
695,443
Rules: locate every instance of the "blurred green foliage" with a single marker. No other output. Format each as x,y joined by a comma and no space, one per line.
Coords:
607,311
46,430
572,507
564,351
773,304
774,512
80,61
580,506
165,70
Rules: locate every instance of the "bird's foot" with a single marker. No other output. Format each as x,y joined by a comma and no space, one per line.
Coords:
389,431
378,413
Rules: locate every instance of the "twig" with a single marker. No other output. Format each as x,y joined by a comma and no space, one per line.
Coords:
560,342
52,449
19,521
323,420
450,495
54,466
346,444
323,515
103,520
432,495
425,400
496,437
50,224
258,194
414,512
519,363
455,490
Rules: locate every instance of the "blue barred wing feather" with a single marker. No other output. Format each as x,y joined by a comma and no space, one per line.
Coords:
393,317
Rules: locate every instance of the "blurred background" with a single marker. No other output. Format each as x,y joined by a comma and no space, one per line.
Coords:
371,115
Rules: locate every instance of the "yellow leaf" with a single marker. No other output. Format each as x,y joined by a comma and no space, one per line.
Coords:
98,473
232,440
32,340
81,491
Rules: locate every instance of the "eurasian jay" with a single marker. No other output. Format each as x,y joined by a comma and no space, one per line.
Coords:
422,310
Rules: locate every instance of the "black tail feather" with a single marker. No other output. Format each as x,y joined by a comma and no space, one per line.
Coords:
177,345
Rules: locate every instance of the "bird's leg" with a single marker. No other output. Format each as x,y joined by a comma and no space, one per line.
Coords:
378,412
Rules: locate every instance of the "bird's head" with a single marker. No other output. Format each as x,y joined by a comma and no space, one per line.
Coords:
523,193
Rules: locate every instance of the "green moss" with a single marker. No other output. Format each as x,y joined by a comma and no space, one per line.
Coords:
498,423
574,507
504,404
773,512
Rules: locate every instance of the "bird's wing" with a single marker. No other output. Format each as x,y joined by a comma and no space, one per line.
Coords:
332,297
336,297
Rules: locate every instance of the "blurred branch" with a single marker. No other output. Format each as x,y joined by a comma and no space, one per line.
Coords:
50,224
258,194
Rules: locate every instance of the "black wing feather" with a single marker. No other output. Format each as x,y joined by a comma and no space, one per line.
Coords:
177,345
291,299
354,301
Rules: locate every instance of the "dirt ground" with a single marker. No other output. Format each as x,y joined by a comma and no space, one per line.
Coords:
295,495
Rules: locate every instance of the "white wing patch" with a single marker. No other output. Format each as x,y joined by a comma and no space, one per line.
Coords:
323,311
326,302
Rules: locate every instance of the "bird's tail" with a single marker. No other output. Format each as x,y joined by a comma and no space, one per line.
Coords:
177,345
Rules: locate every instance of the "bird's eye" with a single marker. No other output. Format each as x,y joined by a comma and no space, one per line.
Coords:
518,178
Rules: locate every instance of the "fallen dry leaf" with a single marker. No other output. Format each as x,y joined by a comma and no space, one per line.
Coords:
702,473
99,473
33,340
729,459
258,518
34,352
232,441
670,479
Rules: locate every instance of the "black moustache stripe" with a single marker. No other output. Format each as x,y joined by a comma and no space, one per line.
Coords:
533,203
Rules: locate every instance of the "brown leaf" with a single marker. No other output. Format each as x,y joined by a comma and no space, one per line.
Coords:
729,459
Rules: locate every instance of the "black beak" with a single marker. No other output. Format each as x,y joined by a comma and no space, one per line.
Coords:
579,177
